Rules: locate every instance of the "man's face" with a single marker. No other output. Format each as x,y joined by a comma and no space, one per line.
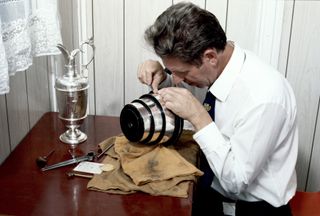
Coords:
196,76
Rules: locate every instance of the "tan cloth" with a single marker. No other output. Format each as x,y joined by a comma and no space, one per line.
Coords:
153,169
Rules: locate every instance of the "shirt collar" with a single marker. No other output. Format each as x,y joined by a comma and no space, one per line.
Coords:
222,86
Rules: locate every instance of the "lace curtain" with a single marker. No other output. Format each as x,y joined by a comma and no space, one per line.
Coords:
28,28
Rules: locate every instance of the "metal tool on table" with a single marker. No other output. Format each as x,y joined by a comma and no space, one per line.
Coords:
72,94
73,174
105,150
42,161
89,157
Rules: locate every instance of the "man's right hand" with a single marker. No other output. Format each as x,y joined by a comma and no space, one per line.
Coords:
151,73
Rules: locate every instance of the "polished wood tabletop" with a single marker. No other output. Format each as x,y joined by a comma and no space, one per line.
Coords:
26,190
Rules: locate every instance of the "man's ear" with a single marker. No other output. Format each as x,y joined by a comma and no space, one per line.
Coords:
210,55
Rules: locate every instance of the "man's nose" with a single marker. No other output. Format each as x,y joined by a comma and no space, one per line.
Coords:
176,79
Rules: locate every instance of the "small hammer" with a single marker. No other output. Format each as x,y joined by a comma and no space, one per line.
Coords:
73,174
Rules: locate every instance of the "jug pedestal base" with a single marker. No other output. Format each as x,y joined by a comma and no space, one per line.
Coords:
73,137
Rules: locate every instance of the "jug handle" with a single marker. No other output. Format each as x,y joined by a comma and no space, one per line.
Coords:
89,43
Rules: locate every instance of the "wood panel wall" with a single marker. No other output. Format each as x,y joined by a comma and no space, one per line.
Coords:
303,72
22,107
282,32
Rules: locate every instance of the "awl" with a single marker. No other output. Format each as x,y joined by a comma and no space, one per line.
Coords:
88,157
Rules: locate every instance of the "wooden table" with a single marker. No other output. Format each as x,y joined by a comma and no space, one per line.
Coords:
25,190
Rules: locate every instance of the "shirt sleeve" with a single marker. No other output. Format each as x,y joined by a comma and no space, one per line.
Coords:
238,159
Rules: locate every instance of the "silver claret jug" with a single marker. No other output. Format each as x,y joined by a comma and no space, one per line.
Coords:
72,94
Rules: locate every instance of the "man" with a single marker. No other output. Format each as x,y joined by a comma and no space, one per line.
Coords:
251,143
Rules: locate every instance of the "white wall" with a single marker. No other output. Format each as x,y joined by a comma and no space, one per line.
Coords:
283,32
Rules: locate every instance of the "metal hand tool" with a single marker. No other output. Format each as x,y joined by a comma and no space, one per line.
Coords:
42,161
105,150
88,157
73,174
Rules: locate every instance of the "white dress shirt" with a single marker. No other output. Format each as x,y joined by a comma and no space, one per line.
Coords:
252,146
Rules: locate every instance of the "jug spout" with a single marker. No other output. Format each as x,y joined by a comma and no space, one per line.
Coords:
70,60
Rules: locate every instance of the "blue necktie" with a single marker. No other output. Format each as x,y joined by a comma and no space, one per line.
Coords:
207,178
209,104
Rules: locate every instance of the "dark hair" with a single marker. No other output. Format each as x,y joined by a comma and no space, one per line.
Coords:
185,31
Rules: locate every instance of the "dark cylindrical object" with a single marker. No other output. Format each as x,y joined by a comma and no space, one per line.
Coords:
144,120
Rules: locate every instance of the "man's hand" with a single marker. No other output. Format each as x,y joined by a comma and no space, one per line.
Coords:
184,104
151,73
